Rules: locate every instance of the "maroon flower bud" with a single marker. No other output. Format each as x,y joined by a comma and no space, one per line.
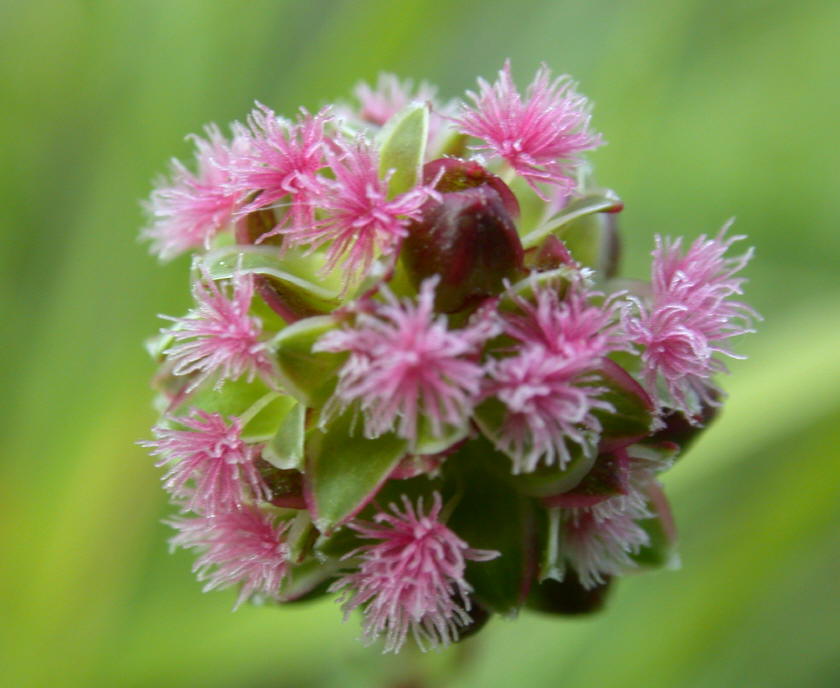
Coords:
285,486
468,237
568,597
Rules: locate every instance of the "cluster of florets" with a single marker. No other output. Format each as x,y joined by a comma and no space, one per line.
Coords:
411,375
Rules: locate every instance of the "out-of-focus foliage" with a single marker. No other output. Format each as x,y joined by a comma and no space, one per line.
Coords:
710,108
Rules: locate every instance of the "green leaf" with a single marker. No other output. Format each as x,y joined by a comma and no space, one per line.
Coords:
604,201
309,377
295,276
402,147
344,470
491,515
285,451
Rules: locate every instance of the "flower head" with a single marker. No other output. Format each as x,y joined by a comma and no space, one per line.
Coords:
412,579
218,337
689,318
212,468
243,546
284,159
188,211
549,401
361,220
541,136
405,364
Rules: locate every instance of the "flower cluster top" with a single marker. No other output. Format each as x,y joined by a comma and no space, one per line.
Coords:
411,375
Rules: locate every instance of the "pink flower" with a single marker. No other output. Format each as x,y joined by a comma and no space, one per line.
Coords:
213,470
569,327
689,318
542,137
284,160
218,336
191,209
601,547
244,546
361,221
412,579
549,400
405,364
389,96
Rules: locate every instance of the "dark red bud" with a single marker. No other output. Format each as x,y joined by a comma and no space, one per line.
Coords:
286,486
451,174
468,237
568,597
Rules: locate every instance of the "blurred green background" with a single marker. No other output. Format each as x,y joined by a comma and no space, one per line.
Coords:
710,109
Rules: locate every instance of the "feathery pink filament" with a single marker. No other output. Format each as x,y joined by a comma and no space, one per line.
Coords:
211,469
389,96
218,336
549,402
412,579
361,222
542,136
598,548
569,327
283,160
243,547
405,365
191,209
690,316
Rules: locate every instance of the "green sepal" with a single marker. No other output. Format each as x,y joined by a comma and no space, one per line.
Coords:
339,542
285,451
260,408
429,443
603,201
157,345
308,376
402,146
308,580
607,478
661,552
344,470
490,515
297,277
591,241
453,145
301,537
633,414
551,480
551,558
559,279
545,480
344,540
